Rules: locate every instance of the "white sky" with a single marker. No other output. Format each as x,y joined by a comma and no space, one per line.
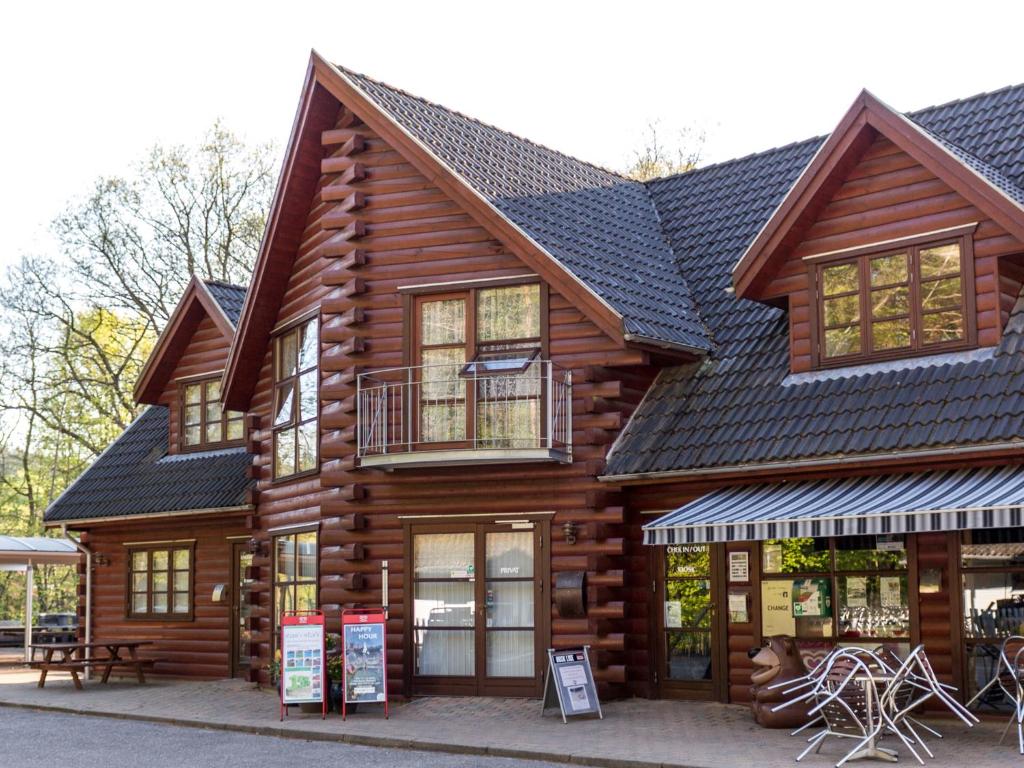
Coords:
86,88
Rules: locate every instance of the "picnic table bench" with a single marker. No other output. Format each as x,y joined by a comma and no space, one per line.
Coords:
72,659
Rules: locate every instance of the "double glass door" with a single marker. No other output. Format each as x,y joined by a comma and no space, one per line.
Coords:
478,598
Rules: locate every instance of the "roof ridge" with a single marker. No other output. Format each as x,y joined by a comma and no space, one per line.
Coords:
913,115
733,160
963,100
485,124
224,283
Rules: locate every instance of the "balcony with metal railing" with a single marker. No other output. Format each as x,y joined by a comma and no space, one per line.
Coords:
475,413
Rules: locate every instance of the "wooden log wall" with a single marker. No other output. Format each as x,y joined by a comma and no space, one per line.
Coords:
206,353
376,224
199,648
938,612
890,195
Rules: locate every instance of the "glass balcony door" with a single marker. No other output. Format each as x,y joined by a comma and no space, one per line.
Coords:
478,380
477,619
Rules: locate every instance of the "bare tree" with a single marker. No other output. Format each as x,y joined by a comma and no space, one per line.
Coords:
658,158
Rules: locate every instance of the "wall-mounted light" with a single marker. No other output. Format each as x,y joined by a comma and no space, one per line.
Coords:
569,531
100,559
255,546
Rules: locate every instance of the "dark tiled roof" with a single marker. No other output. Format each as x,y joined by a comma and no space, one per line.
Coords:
597,224
135,476
740,407
229,297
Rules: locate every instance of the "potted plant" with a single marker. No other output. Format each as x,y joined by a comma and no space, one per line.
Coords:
334,675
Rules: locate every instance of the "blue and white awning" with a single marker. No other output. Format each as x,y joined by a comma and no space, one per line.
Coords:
951,500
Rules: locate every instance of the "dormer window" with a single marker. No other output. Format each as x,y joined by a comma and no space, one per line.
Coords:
891,302
204,424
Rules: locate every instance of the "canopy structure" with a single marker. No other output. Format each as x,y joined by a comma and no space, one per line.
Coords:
951,500
25,553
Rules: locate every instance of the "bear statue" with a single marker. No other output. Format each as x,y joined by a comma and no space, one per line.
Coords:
778,660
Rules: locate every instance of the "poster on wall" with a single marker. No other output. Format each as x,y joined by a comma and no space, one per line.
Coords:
857,591
303,673
739,566
811,598
739,613
777,608
890,593
772,554
673,614
364,651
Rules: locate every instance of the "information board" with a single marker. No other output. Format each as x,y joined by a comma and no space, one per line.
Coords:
303,650
364,648
569,683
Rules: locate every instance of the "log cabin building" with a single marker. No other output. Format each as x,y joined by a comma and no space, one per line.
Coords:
777,395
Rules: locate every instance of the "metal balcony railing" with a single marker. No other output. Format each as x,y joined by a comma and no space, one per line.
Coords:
524,414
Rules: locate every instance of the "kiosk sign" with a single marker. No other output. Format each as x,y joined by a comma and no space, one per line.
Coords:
303,672
570,683
365,652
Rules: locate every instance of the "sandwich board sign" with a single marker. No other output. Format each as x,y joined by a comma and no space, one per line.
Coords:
303,652
569,683
364,650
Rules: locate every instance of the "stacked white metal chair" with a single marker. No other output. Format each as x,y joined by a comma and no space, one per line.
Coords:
864,695
1009,678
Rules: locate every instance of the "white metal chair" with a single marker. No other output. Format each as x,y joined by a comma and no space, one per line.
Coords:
848,704
1009,678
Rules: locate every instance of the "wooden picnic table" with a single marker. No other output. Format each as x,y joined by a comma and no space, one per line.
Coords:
72,658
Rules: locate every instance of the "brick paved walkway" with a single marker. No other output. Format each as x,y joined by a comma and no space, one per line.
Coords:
637,732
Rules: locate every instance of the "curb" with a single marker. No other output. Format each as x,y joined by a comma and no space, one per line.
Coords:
385,742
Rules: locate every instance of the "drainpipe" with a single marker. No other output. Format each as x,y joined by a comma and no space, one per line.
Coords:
88,590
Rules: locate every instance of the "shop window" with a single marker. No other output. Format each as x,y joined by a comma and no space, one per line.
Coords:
295,573
296,400
992,570
847,590
160,582
204,424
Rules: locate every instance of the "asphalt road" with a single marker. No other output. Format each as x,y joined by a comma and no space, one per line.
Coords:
30,739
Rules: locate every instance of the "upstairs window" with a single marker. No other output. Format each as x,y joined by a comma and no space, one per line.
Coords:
479,378
296,399
894,303
204,424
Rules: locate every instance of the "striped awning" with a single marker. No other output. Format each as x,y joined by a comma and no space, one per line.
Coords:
951,500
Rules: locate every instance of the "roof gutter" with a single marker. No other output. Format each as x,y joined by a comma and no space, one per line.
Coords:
63,524
750,469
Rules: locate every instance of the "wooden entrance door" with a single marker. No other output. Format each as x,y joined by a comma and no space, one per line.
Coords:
690,658
480,607
241,609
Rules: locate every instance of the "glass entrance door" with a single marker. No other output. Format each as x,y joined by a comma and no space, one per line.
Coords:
241,610
477,597
688,629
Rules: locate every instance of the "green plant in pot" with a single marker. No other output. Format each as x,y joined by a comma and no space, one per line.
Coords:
335,675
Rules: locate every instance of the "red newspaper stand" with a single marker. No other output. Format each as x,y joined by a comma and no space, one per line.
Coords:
364,653
303,660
